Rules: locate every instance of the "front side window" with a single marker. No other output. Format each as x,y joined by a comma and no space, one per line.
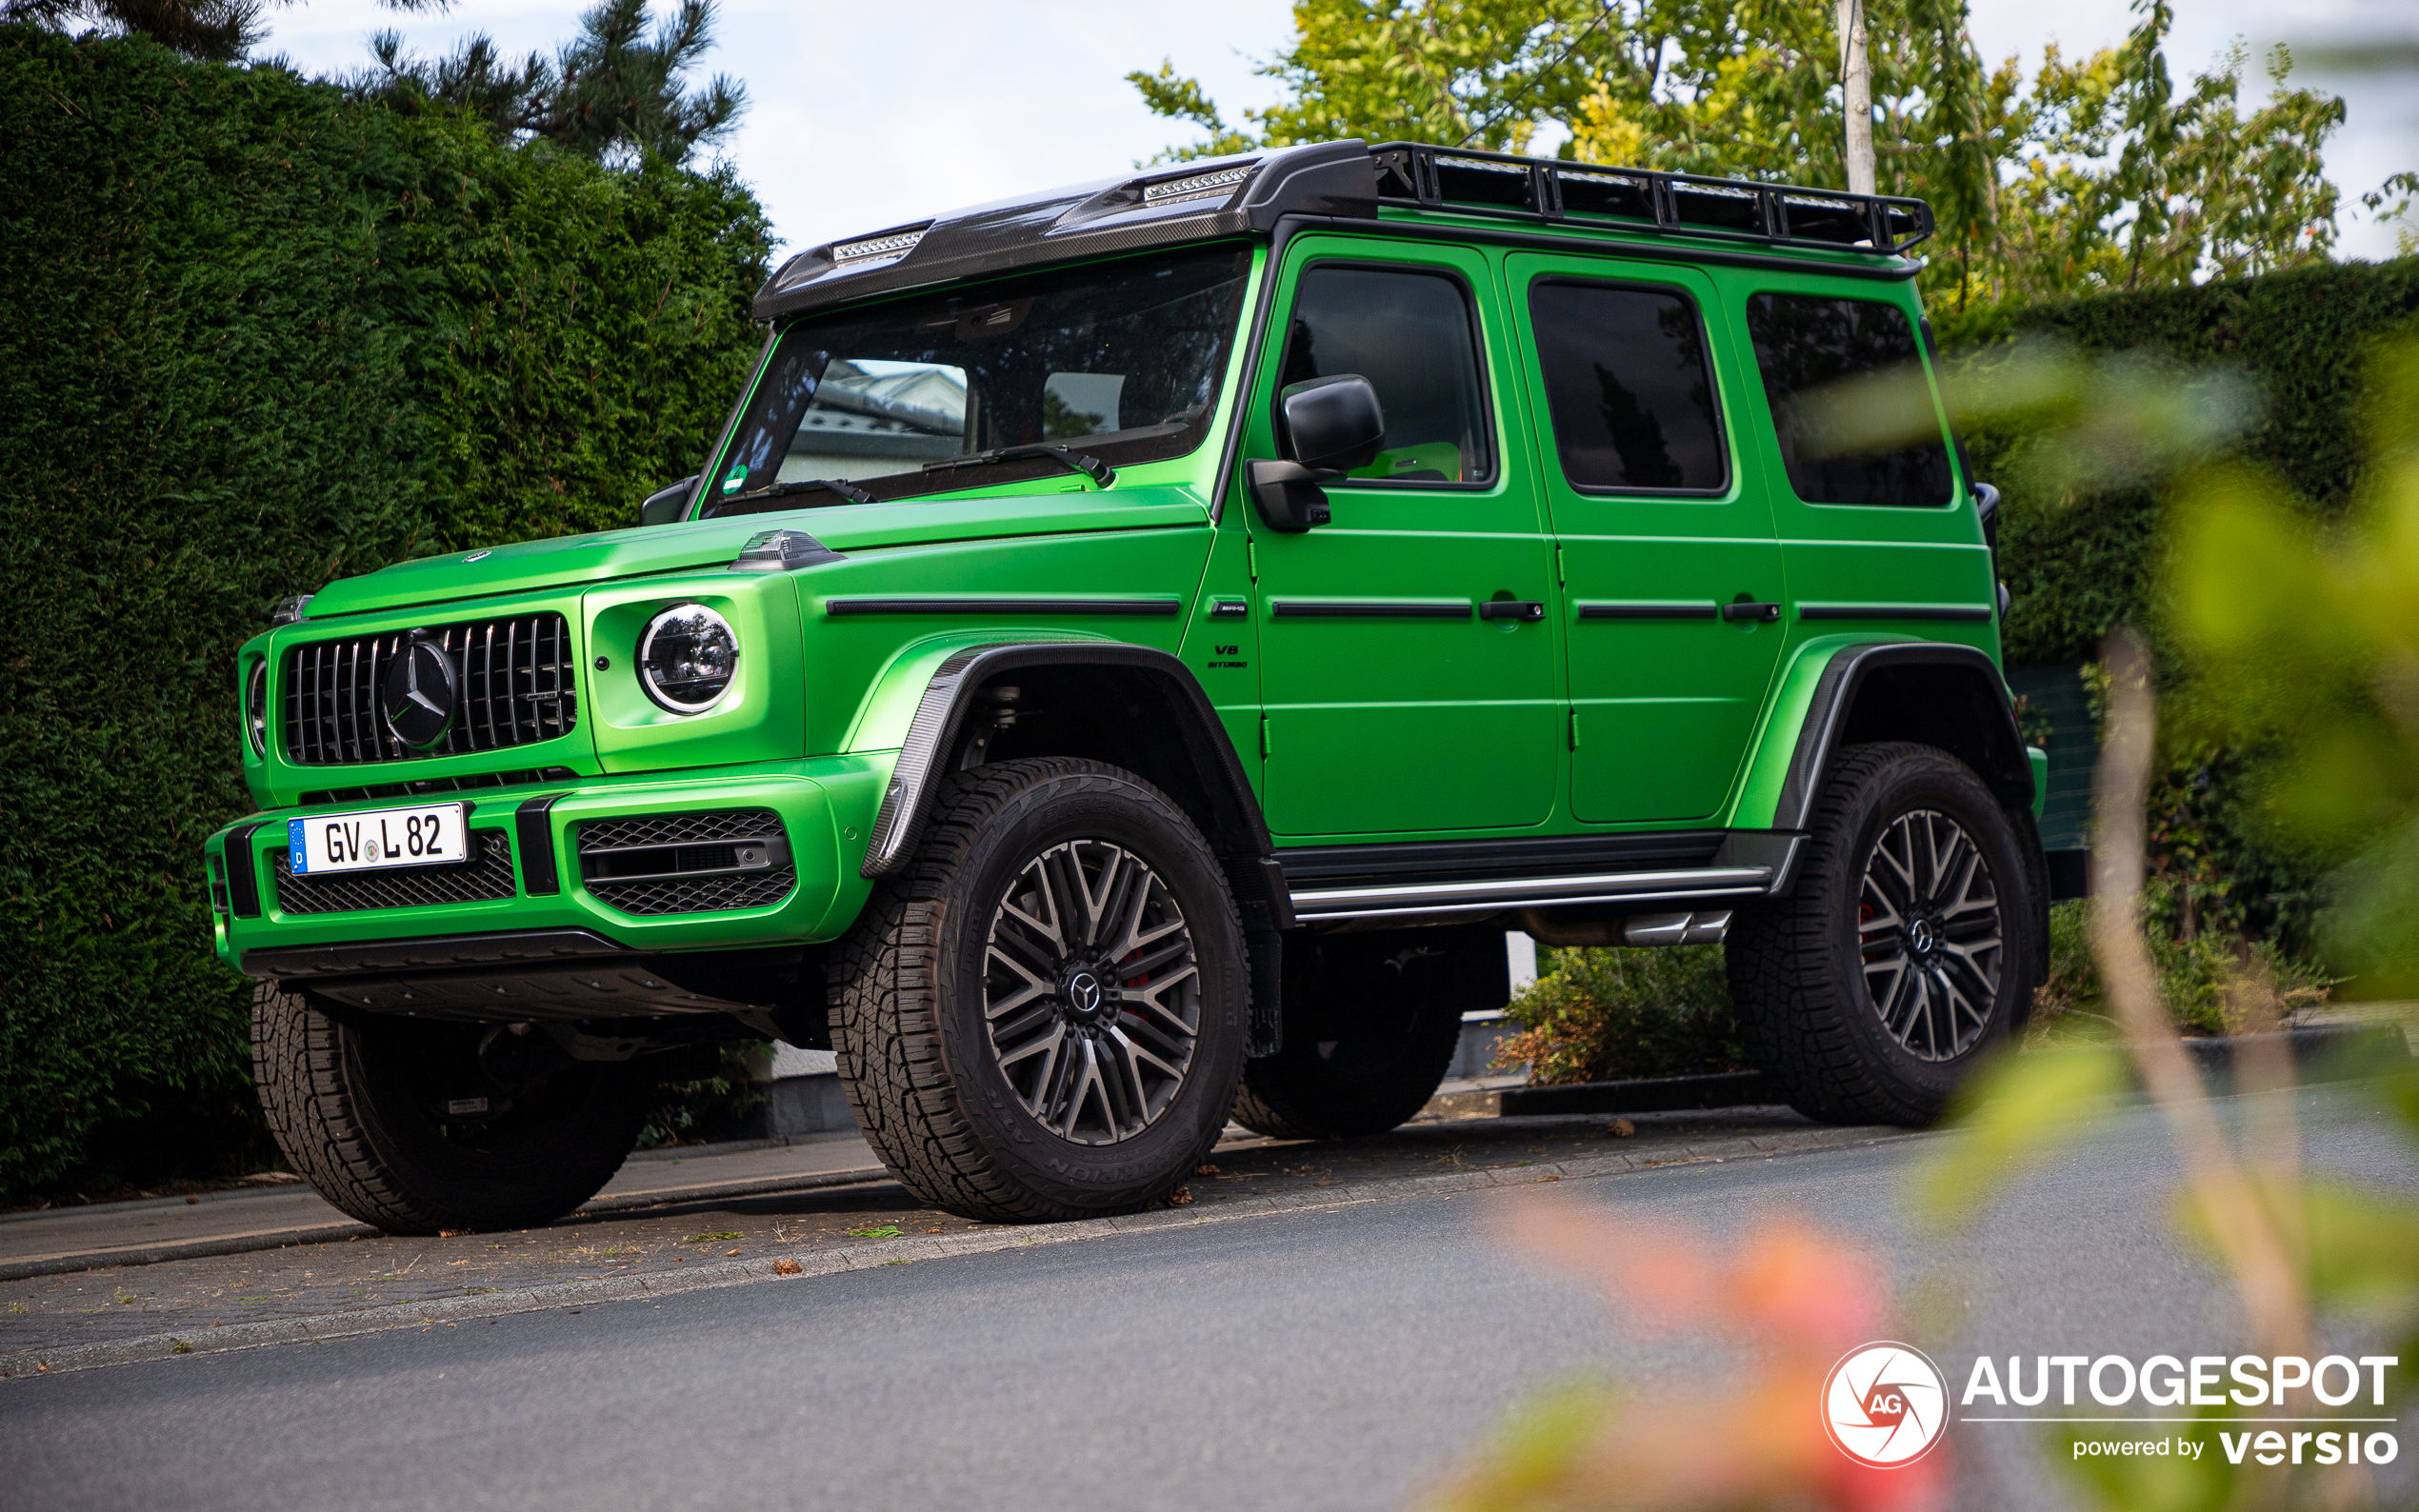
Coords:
1412,336
1121,361
1627,388
1851,407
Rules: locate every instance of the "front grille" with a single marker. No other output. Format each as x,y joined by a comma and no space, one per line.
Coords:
656,863
443,784
484,879
515,688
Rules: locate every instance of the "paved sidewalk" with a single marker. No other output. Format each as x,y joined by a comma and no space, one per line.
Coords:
65,1238
357,1285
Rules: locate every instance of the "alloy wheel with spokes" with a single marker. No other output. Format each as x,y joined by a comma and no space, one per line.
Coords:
1929,935
1091,997
1043,1017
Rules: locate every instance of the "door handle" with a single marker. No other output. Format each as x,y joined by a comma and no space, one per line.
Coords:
1760,613
1511,609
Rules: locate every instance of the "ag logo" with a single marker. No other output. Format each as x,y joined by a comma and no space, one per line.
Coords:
1885,1405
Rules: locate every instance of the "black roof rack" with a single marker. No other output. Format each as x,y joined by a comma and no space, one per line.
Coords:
1417,175
1249,193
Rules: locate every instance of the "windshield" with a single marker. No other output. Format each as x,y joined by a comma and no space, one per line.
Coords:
1120,361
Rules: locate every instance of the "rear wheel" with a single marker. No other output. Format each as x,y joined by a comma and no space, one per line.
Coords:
1371,1023
1909,950
1043,1017
417,1126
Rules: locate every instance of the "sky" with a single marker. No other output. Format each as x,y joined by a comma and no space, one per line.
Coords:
866,114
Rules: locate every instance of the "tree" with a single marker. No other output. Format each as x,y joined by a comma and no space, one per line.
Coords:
614,93
210,30
2091,176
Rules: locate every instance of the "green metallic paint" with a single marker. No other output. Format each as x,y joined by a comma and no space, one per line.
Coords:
825,804
1398,726
762,716
1645,690
1348,729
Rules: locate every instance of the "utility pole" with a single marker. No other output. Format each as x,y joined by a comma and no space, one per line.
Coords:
1857,81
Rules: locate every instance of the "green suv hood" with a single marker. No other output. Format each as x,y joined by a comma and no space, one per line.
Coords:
573,560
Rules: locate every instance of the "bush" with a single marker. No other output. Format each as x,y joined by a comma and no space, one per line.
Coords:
1613,1013
2203,977
254,336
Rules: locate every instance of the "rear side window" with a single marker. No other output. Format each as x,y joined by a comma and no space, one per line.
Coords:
1627,388
1851,407
1412,335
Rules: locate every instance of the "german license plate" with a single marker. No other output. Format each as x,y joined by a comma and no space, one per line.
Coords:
425,835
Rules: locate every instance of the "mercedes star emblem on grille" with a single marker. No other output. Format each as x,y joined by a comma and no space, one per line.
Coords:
417,697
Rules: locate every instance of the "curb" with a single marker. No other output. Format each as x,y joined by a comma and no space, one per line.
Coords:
575,1294
328,1233
2321,1052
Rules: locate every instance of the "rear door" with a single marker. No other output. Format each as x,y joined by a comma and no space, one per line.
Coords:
1879,533
1671,574
1395,704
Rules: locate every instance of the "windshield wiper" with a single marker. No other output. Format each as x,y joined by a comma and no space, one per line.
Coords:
1090,467
774,490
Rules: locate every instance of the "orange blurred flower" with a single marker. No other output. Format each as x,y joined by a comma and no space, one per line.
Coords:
1798,1298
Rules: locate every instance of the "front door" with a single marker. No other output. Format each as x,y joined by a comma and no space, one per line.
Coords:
1671,574
1395,704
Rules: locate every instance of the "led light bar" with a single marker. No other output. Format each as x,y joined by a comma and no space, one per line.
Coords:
892,244
1197,185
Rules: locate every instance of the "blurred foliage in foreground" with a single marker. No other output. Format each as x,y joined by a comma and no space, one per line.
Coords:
1781,1299
2298,638
2302,634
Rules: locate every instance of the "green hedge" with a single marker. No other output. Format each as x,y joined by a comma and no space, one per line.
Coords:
2078,567
254,336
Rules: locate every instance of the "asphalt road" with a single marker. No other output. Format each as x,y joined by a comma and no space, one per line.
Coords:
1314,1358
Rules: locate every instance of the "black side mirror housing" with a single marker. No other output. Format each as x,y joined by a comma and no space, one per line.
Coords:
1330,425
665,504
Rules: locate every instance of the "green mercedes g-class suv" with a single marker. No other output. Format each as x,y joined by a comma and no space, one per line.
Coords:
1129,657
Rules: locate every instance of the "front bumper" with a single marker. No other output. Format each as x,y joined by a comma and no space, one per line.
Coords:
534,877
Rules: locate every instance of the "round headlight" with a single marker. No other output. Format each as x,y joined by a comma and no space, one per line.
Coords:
686,658
256,707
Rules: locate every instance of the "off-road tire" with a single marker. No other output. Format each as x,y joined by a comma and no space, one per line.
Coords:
907,994
1367,1038
1796,970
339,1094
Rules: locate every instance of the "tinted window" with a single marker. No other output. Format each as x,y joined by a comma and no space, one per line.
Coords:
1853,412
1409,334
1121,360
1626,388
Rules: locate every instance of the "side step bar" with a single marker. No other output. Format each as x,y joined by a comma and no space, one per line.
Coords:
1412,900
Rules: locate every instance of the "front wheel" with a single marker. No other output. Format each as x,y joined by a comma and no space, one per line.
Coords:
1909,950
1042,1018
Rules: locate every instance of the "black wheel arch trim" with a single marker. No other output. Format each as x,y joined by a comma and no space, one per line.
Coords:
1238,831
2008,774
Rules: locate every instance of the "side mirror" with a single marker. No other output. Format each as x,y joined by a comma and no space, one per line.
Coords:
1332,423
1332,426
663,506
